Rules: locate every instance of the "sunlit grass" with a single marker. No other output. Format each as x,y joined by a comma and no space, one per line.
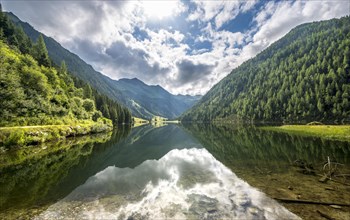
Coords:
24,135
333,132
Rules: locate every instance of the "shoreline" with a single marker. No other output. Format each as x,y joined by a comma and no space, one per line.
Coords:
19,136
330,132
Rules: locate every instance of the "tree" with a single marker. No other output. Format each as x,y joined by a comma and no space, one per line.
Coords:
40,52
87,91
24,42
89,105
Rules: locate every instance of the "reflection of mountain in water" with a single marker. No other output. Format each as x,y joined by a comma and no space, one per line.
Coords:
183,184
143,143
250,146
147,143
31,173
53,176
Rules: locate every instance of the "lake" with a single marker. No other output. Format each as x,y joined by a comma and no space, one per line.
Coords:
194,171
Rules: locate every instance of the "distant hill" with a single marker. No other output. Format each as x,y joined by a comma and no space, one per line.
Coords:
155,99
143,100
304,76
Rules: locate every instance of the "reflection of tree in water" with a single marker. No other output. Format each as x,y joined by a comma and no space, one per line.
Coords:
250,146
31,178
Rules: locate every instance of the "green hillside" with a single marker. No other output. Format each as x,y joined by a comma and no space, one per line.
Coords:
35,95
36,92
302,77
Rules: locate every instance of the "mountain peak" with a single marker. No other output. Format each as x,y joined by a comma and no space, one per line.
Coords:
132,80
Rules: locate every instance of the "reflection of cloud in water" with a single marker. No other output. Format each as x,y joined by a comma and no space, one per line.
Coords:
188,183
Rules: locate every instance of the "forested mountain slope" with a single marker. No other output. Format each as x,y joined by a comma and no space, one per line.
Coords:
33,92
141,102
304,76
155,99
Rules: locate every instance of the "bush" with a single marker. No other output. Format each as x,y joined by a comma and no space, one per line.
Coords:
96,115
89,105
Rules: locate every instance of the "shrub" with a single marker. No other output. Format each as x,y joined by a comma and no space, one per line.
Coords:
89,105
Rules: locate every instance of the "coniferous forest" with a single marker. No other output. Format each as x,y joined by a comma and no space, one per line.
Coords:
304,76
33,91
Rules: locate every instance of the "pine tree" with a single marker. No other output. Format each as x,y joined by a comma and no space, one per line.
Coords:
40,52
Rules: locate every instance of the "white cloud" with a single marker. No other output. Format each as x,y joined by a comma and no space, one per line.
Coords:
277,19
162,9
102,33
220,11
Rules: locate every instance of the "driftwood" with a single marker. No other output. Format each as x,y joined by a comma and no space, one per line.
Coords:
333,180
323,179
311,202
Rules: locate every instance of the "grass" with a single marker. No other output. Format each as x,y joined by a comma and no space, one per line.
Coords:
331,132
26,135
20,155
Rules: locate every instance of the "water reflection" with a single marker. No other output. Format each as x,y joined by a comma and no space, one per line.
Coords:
252,147
55,169
37,175
156,171
183,184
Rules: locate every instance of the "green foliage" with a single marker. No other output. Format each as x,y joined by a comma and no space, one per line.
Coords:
332,132
33,93
15,138
20,136
40,52
13,35
108,107
33,173
305,76
88,105
248,146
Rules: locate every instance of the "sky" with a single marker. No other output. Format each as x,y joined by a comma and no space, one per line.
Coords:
184,46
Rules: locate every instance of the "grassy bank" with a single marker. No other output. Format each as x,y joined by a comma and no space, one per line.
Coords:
332,132
25,135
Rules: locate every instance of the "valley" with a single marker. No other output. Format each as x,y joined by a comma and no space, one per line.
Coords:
174,109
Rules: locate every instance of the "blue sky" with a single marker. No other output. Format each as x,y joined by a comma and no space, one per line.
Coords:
184,46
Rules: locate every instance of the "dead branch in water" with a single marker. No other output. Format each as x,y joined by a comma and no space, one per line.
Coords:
334,180
310,202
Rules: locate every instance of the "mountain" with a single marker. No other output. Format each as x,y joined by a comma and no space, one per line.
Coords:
143,101
155,99
304,76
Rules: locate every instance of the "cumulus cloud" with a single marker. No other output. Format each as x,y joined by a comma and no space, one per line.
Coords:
125,39
219,11
129,60
188,71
